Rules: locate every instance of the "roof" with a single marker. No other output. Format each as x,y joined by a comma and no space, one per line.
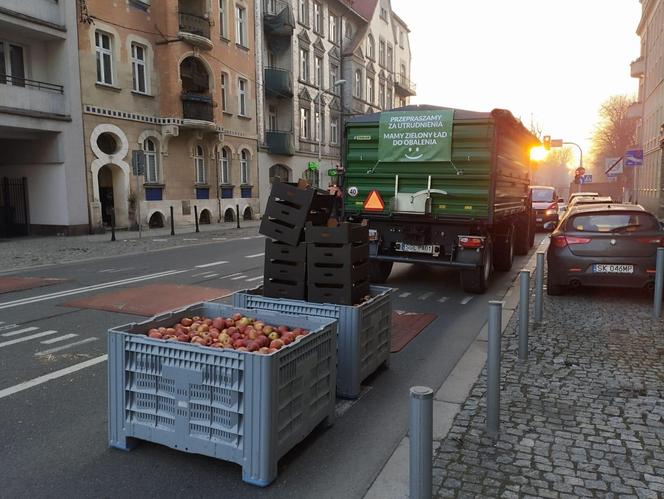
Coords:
400,21
365,8
606,206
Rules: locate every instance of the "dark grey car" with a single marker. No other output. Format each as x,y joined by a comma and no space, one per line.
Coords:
604,245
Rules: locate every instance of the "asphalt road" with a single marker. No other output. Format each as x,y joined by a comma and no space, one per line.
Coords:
54,431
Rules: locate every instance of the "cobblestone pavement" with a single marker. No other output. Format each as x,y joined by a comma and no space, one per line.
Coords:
32,251
583,417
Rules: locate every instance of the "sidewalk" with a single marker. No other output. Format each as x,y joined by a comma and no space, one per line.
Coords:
25,252
582,417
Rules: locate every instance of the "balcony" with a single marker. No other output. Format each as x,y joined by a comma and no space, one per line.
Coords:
279,142
198,111
32,97
635,110
195,30
45,12
404,86
278,82
638,67
278,20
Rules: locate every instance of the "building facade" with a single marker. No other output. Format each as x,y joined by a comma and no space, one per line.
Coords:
176,80
42,187
649,69
319,62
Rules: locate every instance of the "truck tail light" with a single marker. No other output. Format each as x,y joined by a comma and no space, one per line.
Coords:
471,242
562,241
659,241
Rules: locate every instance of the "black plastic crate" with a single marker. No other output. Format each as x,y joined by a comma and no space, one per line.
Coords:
344,254
346,274
279,288
287,271
279,251
337,294
345,233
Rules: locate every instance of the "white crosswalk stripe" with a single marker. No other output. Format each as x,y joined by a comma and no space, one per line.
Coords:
255,278
27,338
466,300
211,264
8,326
443,299
405,295
426,296
210,276
255,256
59,338
64,347
20,331
238,277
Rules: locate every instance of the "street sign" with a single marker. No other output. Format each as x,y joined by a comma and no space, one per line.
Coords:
312,165
332,172
587,179
556,142
633,157
138,162
613,167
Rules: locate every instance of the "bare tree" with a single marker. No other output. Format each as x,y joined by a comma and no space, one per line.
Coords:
614,132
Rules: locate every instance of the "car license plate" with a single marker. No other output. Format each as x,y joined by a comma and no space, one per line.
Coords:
417,248
605,268
539,219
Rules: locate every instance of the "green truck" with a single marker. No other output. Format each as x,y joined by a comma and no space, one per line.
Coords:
441,186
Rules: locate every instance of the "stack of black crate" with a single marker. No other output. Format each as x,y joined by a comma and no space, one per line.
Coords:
337,263
288,209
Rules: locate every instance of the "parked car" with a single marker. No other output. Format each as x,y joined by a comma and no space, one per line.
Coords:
576,194
545,205
604,245
585,200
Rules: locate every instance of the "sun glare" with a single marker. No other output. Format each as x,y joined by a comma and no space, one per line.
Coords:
538,153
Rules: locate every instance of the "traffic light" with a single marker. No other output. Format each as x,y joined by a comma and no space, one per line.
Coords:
546,141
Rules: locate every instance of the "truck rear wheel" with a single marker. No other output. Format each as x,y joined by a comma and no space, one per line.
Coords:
522,242
476,281
503,253
379,271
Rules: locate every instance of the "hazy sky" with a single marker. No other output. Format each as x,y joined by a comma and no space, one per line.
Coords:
555,59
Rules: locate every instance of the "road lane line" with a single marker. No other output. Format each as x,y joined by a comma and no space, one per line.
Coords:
229,275
426,296
27,338
219,238
59,338
210,276
205,265
19,331
120,270
254,256
64,347
443,299
466,300
51,376
405,295
255,278
85,289
190,239
160,240
8,326
238,277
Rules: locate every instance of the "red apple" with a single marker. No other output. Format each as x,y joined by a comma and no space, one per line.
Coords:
268,329
273,335
237,316
252,346
219,323
282,329
276,344
264,350
155,334
186,321
262,340
240,343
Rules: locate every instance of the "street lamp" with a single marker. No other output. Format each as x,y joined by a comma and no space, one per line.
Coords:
337,83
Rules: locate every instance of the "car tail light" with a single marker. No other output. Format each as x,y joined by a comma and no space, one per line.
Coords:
651,240
562,241
553,206
471,242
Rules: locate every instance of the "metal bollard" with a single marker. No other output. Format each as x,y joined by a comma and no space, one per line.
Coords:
493,369
113,225
237,215
539,287
196,217
659,283
524,298
421,442
172,223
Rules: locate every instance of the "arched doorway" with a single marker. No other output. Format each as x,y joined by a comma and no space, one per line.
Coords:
106,194
229,215
248,214
156,220
280,172
205,217
112,194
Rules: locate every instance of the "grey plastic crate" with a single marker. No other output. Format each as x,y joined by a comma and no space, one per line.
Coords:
242,407
364,331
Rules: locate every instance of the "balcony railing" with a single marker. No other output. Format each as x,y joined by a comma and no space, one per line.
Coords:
280,142
32,95
194,24
197,107
24,82
278,82
638,67
404,85
278,19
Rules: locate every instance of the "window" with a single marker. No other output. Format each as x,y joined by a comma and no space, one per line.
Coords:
371,48
241,26
318,18
12,64
244,167
272,123
370,89
280,173
389,98
357,84
348,31
305,123
199,163
151,161
401,36
334,29
390,57
403,73
381,53
383,13
318,74
312,177
381,95
303,11
224,167
317,126
304,64
139,73
224,90
223,30
334,77
242,96
334,131
104,51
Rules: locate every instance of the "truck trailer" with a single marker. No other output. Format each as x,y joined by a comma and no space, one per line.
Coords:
441,186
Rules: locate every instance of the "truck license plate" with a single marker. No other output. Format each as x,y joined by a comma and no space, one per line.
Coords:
604,268
429,249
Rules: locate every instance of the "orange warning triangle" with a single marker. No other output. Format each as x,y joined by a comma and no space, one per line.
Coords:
374,202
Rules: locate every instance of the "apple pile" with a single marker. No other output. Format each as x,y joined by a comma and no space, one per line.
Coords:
238,332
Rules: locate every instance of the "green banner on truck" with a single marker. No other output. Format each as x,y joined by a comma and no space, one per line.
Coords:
415,136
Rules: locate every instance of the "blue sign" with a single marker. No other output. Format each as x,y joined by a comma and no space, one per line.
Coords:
586,179
634,157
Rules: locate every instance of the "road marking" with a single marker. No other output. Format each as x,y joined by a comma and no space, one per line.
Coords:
405,295
238,277
190,239
443,299
85,289
426,296
255,256
113,271
160,240
50,376
8,326
229,275
27,338
255,278
64,347
246,238
105,270
210,276
466,300
59,338
26,330
219,238
205,265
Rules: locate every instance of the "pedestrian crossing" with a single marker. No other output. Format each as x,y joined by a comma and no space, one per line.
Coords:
51,340
431,296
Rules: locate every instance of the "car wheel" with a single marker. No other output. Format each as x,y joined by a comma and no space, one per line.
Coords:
476,281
